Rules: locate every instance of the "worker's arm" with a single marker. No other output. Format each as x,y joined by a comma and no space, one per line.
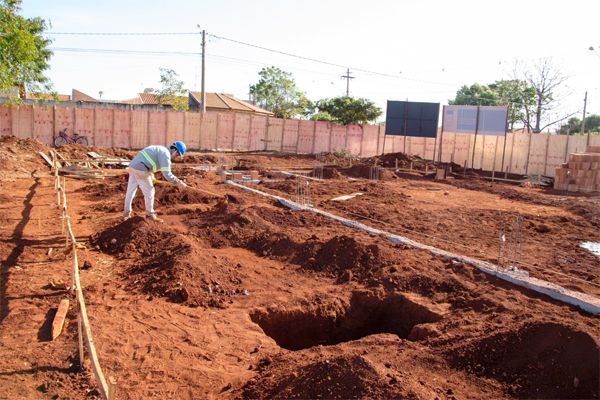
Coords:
165,167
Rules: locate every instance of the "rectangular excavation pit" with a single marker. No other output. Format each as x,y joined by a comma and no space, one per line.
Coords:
334,321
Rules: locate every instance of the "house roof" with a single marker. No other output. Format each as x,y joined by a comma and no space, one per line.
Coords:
145,98
76,95
226,102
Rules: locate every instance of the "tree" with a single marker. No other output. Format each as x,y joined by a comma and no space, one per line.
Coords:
276,91
475,95
573,126
592,123
545,79
172,92
24,53
516,94
346,110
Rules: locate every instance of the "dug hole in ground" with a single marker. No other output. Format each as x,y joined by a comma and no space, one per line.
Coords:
236,296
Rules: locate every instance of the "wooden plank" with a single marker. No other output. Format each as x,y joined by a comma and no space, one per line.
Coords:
59,318
46,158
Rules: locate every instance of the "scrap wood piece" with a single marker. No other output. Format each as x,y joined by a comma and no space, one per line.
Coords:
62,158
94,155
347,196
77,171
46,158
59,318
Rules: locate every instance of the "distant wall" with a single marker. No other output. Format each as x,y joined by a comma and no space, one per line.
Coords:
136,128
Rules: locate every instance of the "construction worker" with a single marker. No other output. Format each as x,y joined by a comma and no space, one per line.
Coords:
141,173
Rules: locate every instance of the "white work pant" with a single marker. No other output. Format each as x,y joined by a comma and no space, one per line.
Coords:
143,179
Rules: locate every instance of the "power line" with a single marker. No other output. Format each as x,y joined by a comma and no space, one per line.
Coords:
124,33
123,51
323,62
250,45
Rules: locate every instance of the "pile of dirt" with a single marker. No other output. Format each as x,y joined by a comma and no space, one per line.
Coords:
367,171
328,173
169,264
22,145
19,157
266,232
340,158
195,158
404,161
341,255
537,360
341,377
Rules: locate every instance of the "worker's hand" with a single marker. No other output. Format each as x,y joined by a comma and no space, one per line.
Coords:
181,185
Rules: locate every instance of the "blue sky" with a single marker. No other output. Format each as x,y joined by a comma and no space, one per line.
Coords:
426,48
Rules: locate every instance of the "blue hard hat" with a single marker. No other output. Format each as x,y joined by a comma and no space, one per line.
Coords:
180,146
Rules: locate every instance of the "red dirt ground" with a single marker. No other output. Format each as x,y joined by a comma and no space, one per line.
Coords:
234,296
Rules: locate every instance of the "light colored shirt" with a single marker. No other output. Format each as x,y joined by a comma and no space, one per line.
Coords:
154,159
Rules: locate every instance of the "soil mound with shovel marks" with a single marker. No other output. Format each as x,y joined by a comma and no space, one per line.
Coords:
169,264
268,233
19,157
539,360
361,171
343,377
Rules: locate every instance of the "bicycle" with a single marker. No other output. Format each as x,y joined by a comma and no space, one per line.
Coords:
64,138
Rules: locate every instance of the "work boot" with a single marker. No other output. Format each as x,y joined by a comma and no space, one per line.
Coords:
126,216
154,217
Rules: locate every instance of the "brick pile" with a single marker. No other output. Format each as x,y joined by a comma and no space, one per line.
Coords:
581,173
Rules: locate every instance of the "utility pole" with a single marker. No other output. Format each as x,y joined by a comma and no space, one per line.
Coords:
583,119
203,70
347,77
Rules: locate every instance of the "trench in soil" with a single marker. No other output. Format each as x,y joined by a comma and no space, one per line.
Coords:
336,321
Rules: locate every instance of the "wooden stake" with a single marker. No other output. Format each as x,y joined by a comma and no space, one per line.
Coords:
59,318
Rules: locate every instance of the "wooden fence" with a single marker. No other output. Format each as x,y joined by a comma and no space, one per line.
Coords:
536,154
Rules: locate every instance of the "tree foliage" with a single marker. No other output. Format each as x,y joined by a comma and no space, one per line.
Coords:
276,91
573,125
476,95
518,95
346,110
172,91
24,53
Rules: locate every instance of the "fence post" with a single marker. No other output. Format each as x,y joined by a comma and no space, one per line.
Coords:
147,135
130,111
314,138
94,125
362,137
282,135
166,128
112,136
528,153
233,131
546,154
297,136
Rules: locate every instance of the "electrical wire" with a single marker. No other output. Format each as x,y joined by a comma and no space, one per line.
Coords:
123,51
124,33
253,46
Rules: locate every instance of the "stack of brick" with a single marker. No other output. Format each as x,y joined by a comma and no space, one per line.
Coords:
581,173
